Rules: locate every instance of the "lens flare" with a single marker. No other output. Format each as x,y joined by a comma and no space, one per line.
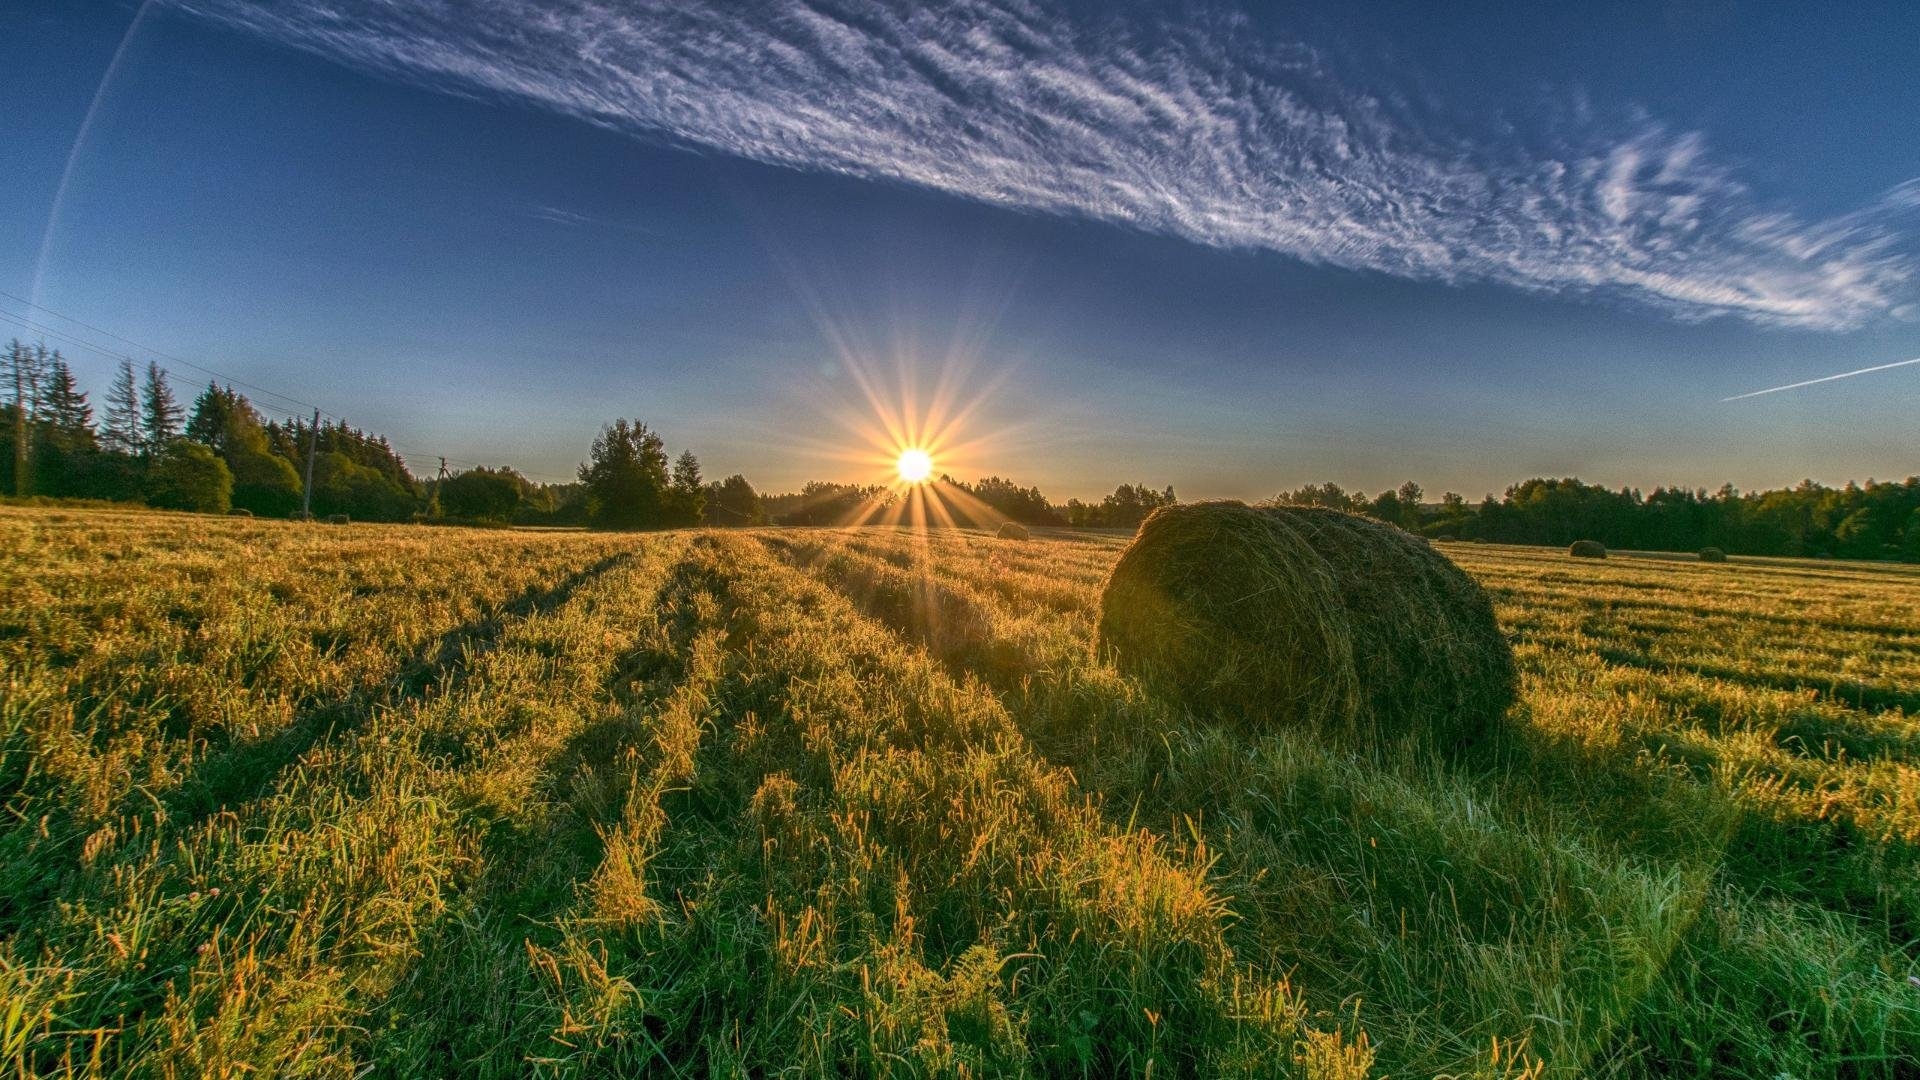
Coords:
914,465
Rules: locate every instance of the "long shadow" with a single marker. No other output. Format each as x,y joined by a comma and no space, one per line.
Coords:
245,769
1830,862
1813,730
536,867
1797,623
1857,695
1658,803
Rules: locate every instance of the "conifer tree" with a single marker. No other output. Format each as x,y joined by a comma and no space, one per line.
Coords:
64,413
160,412
120,429
689,494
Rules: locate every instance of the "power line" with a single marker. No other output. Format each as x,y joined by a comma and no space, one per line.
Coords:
29,324
43,331
230,380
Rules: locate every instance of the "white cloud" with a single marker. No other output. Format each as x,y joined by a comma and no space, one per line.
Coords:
1196,131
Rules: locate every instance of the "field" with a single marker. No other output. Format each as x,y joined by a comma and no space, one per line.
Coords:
288,800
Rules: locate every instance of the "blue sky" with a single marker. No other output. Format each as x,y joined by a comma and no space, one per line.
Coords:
1233,250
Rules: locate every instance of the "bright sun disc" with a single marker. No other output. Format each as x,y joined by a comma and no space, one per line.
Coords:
914,466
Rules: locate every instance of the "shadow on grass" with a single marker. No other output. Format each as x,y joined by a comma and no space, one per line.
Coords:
1640,792
465,999
245,769
1857,695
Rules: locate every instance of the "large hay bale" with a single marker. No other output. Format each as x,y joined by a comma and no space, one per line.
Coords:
1712,554
1588,549
338,519
1308,617
240,512
1013,530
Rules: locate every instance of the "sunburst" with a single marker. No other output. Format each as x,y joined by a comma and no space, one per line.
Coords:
913,466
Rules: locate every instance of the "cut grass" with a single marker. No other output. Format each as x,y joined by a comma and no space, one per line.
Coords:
420,802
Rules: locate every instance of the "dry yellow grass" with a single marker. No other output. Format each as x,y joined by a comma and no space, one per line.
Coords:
301,800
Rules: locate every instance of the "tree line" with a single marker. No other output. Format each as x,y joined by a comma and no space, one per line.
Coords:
221,453
1875,520
218,454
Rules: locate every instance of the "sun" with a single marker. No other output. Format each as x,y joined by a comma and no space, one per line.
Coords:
914,466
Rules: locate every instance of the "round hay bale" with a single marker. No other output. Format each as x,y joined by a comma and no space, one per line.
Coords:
338,519
1712,554
1013,530
1588,549
240,512
1308,617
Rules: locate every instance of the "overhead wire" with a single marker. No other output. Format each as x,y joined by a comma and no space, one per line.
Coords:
26,322
203,369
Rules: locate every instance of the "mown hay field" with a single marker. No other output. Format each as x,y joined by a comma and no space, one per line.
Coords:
304,800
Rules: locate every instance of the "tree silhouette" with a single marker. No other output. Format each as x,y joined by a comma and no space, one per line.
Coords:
483,494
626,480
120,430
733,502
160,413
688,499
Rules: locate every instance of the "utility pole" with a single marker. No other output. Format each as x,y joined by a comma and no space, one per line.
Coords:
434,509
313,447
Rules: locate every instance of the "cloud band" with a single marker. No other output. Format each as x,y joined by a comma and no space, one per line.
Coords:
1201,130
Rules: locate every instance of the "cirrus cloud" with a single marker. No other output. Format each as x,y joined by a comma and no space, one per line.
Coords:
1199,130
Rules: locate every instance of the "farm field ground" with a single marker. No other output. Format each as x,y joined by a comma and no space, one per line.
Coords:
301,800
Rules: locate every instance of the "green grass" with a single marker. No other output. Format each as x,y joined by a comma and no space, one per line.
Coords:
286,800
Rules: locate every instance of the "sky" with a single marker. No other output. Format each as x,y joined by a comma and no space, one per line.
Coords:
1231,249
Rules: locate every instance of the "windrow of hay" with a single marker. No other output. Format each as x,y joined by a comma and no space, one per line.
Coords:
1013,530
1588,549
1310,617
1712,554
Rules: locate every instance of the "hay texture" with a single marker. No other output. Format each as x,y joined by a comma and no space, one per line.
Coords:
1712,555
1308,617
1013,530
1588,549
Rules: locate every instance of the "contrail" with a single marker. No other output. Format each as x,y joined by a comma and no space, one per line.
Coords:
73,152
1824,378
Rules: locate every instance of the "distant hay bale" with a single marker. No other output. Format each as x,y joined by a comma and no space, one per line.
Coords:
1013,530
338,519
240,512
1712,554
1588,549
1308,617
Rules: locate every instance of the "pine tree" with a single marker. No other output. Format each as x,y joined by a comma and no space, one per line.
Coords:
120,430
64,413
221,418
689,494
160,413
